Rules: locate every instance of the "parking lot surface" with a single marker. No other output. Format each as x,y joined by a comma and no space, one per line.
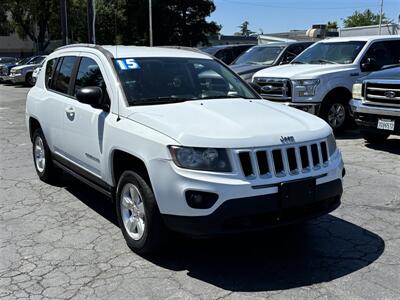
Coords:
62,241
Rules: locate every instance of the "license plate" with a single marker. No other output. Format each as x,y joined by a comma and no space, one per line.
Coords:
297,193
386,124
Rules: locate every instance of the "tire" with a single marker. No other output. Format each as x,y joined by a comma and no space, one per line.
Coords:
29,80
140,220
45,169
336,112
374,137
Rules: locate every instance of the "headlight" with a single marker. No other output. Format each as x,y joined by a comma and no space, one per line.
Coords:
331,144
205,159
305,87
357,91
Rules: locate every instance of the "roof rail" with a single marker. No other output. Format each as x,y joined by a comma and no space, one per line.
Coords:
94,46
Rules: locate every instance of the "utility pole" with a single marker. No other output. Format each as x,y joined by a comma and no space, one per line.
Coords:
64,21
380,18
91,19
150,24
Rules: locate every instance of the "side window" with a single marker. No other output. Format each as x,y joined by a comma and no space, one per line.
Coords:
225,55
50,65
89,74
291,53
64,72
383,54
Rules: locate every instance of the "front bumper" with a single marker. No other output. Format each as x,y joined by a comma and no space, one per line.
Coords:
17,78
258,213
367,116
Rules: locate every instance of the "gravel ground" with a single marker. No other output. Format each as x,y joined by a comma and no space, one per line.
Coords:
63,241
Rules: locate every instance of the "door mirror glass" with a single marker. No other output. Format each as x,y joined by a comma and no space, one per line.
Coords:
370,65
91,95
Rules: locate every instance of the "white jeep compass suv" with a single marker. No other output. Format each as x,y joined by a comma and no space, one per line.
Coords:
179,142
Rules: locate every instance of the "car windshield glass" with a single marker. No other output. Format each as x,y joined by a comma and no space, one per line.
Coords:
37,60
24,61
160,80
210,50
331,53
6,60
259,55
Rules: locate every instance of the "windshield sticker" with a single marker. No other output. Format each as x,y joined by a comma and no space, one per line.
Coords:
128,63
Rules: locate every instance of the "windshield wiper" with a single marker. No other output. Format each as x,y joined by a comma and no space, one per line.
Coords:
160,100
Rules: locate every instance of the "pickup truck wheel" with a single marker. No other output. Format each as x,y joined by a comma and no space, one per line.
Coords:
374,137
44,166
335,113
29,80
138,215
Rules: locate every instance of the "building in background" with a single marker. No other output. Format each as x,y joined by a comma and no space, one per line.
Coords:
13,45
386,29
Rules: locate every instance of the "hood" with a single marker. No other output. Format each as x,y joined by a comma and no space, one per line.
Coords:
306,71
242,69
392,73
25,67
230,123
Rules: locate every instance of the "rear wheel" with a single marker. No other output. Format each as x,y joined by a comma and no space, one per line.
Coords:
138,215
374,137
44,166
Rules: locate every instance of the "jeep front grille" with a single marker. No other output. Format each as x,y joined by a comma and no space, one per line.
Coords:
382,93
285,160
274,88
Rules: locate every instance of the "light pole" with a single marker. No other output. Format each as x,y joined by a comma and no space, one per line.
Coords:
380,18
91,19
150,25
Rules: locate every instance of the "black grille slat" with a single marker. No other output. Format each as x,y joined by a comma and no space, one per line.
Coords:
324,152
278,161
315,154
291,155
262,162
305,162
245,161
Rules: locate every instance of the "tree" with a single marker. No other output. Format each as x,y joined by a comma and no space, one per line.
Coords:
244,29
332,25
363,19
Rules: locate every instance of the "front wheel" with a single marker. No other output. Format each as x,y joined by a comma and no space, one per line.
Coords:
29,80
336,113
374,137
138,215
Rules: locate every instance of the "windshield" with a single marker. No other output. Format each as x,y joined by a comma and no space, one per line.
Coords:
24,61
259,55
156,80
330,53
37,60
6,60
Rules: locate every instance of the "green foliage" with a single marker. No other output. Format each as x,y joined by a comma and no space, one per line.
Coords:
244,29
363,19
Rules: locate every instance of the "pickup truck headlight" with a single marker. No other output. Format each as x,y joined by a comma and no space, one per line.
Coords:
331,144
205,159
305,87
357,91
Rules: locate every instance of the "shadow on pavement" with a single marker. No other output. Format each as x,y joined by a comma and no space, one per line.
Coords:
348,134
318,251
392,145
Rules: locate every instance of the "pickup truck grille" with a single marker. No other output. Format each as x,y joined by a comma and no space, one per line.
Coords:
275,88
384,93
284,161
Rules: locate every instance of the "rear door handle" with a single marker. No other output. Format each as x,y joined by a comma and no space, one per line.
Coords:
70,111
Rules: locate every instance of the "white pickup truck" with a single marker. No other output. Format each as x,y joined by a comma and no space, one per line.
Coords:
320,79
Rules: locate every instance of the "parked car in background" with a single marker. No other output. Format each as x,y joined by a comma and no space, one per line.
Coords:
227,53
376,104
5,63
36,72
320,79
267,55
23,73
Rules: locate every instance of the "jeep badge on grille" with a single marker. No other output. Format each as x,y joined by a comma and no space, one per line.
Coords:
287,139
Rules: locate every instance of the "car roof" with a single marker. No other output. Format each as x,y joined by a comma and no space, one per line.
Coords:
284,44
121,51
228,46
361,38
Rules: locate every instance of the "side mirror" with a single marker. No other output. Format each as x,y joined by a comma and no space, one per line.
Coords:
91,95
255,87
370,65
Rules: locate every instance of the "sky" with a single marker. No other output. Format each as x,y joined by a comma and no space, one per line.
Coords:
283,15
